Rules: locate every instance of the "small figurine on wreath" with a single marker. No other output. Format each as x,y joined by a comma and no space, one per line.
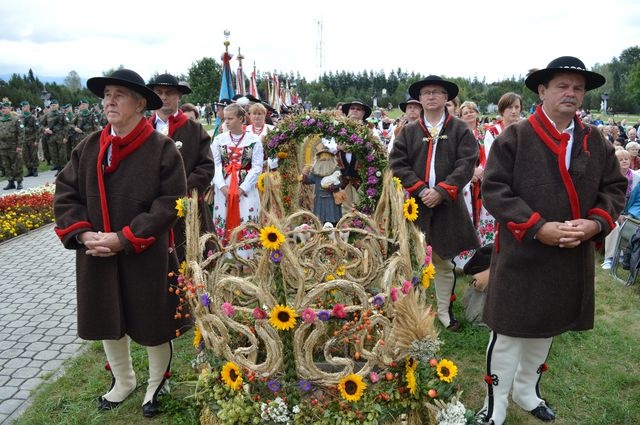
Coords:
325,174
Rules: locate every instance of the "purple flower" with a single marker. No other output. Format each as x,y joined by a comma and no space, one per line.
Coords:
304,385
324,315
371,192
353,137
320,124
378,300
274,386
367,210
292,127
371,170
273,143
415,280
330,129
372,180
312,121
370,158
276,256
205,300
343,132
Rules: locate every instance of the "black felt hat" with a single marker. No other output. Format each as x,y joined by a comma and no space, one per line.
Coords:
168,80
564,64
367,109
126,78
431,80
410,101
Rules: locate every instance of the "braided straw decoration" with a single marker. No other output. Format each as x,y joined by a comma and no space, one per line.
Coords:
320,356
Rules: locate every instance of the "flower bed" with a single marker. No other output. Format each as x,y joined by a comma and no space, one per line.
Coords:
25,211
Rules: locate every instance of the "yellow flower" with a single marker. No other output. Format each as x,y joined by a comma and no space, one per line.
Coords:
271,237
340,271
447,370
428,273
410,377
197,337
182,268
261,182
283,317
231,375
410,209
351,387
398,183
180,207
329,278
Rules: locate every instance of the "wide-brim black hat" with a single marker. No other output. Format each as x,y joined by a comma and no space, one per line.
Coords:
367,109
403,105
126,78
564,64
434,80
168,80
223,102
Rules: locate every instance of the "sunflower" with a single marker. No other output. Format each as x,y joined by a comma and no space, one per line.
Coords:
410,209
231,375
197,337
447,370
398,183
282,317
410,377
180,207
351,387
271,237
428,273
260,183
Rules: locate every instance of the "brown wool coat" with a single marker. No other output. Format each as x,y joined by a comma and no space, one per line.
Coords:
126,293
536,290
447,227
199,167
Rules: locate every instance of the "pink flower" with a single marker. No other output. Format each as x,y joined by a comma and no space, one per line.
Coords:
394,294
308,315
259,313
373,377
406,287
427,259
339,311
228,309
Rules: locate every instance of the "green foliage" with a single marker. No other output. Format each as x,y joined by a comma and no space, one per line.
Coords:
204,77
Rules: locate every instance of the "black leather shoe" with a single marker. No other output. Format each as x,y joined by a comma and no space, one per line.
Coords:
151,409
19,186
543,412
104,404
454,326
10,185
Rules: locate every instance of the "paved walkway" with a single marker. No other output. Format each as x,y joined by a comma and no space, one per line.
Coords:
37,311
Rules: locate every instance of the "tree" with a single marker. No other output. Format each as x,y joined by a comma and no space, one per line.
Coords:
204,77
73,81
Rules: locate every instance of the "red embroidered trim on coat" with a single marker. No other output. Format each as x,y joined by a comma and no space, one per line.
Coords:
452,191
519,229
602,213
414,187
139,244
75,226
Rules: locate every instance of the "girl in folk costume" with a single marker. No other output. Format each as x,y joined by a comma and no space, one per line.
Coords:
238,156
469,113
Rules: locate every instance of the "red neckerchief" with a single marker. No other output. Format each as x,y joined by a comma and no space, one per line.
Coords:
426,132
557,143
175,121
121,147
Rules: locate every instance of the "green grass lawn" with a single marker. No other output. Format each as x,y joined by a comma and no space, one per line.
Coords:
593,377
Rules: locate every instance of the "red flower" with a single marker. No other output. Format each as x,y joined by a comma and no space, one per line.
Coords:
339,311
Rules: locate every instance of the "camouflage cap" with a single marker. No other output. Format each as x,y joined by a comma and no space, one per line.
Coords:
82,101
54,102
6,104
67,105
24,103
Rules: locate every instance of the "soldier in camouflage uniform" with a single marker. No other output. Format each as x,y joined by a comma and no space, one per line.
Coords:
10,148
43,137
69,134
29,131
55,126
83,124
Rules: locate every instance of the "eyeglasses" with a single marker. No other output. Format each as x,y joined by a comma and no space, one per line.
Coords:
432,93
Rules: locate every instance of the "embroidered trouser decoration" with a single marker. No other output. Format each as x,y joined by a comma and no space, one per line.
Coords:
445,285
124,378
526,384
159,369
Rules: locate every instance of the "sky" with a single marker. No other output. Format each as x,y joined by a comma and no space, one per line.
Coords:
491,40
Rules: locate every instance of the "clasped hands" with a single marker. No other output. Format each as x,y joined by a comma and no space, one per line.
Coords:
431,197
568,234
100,244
